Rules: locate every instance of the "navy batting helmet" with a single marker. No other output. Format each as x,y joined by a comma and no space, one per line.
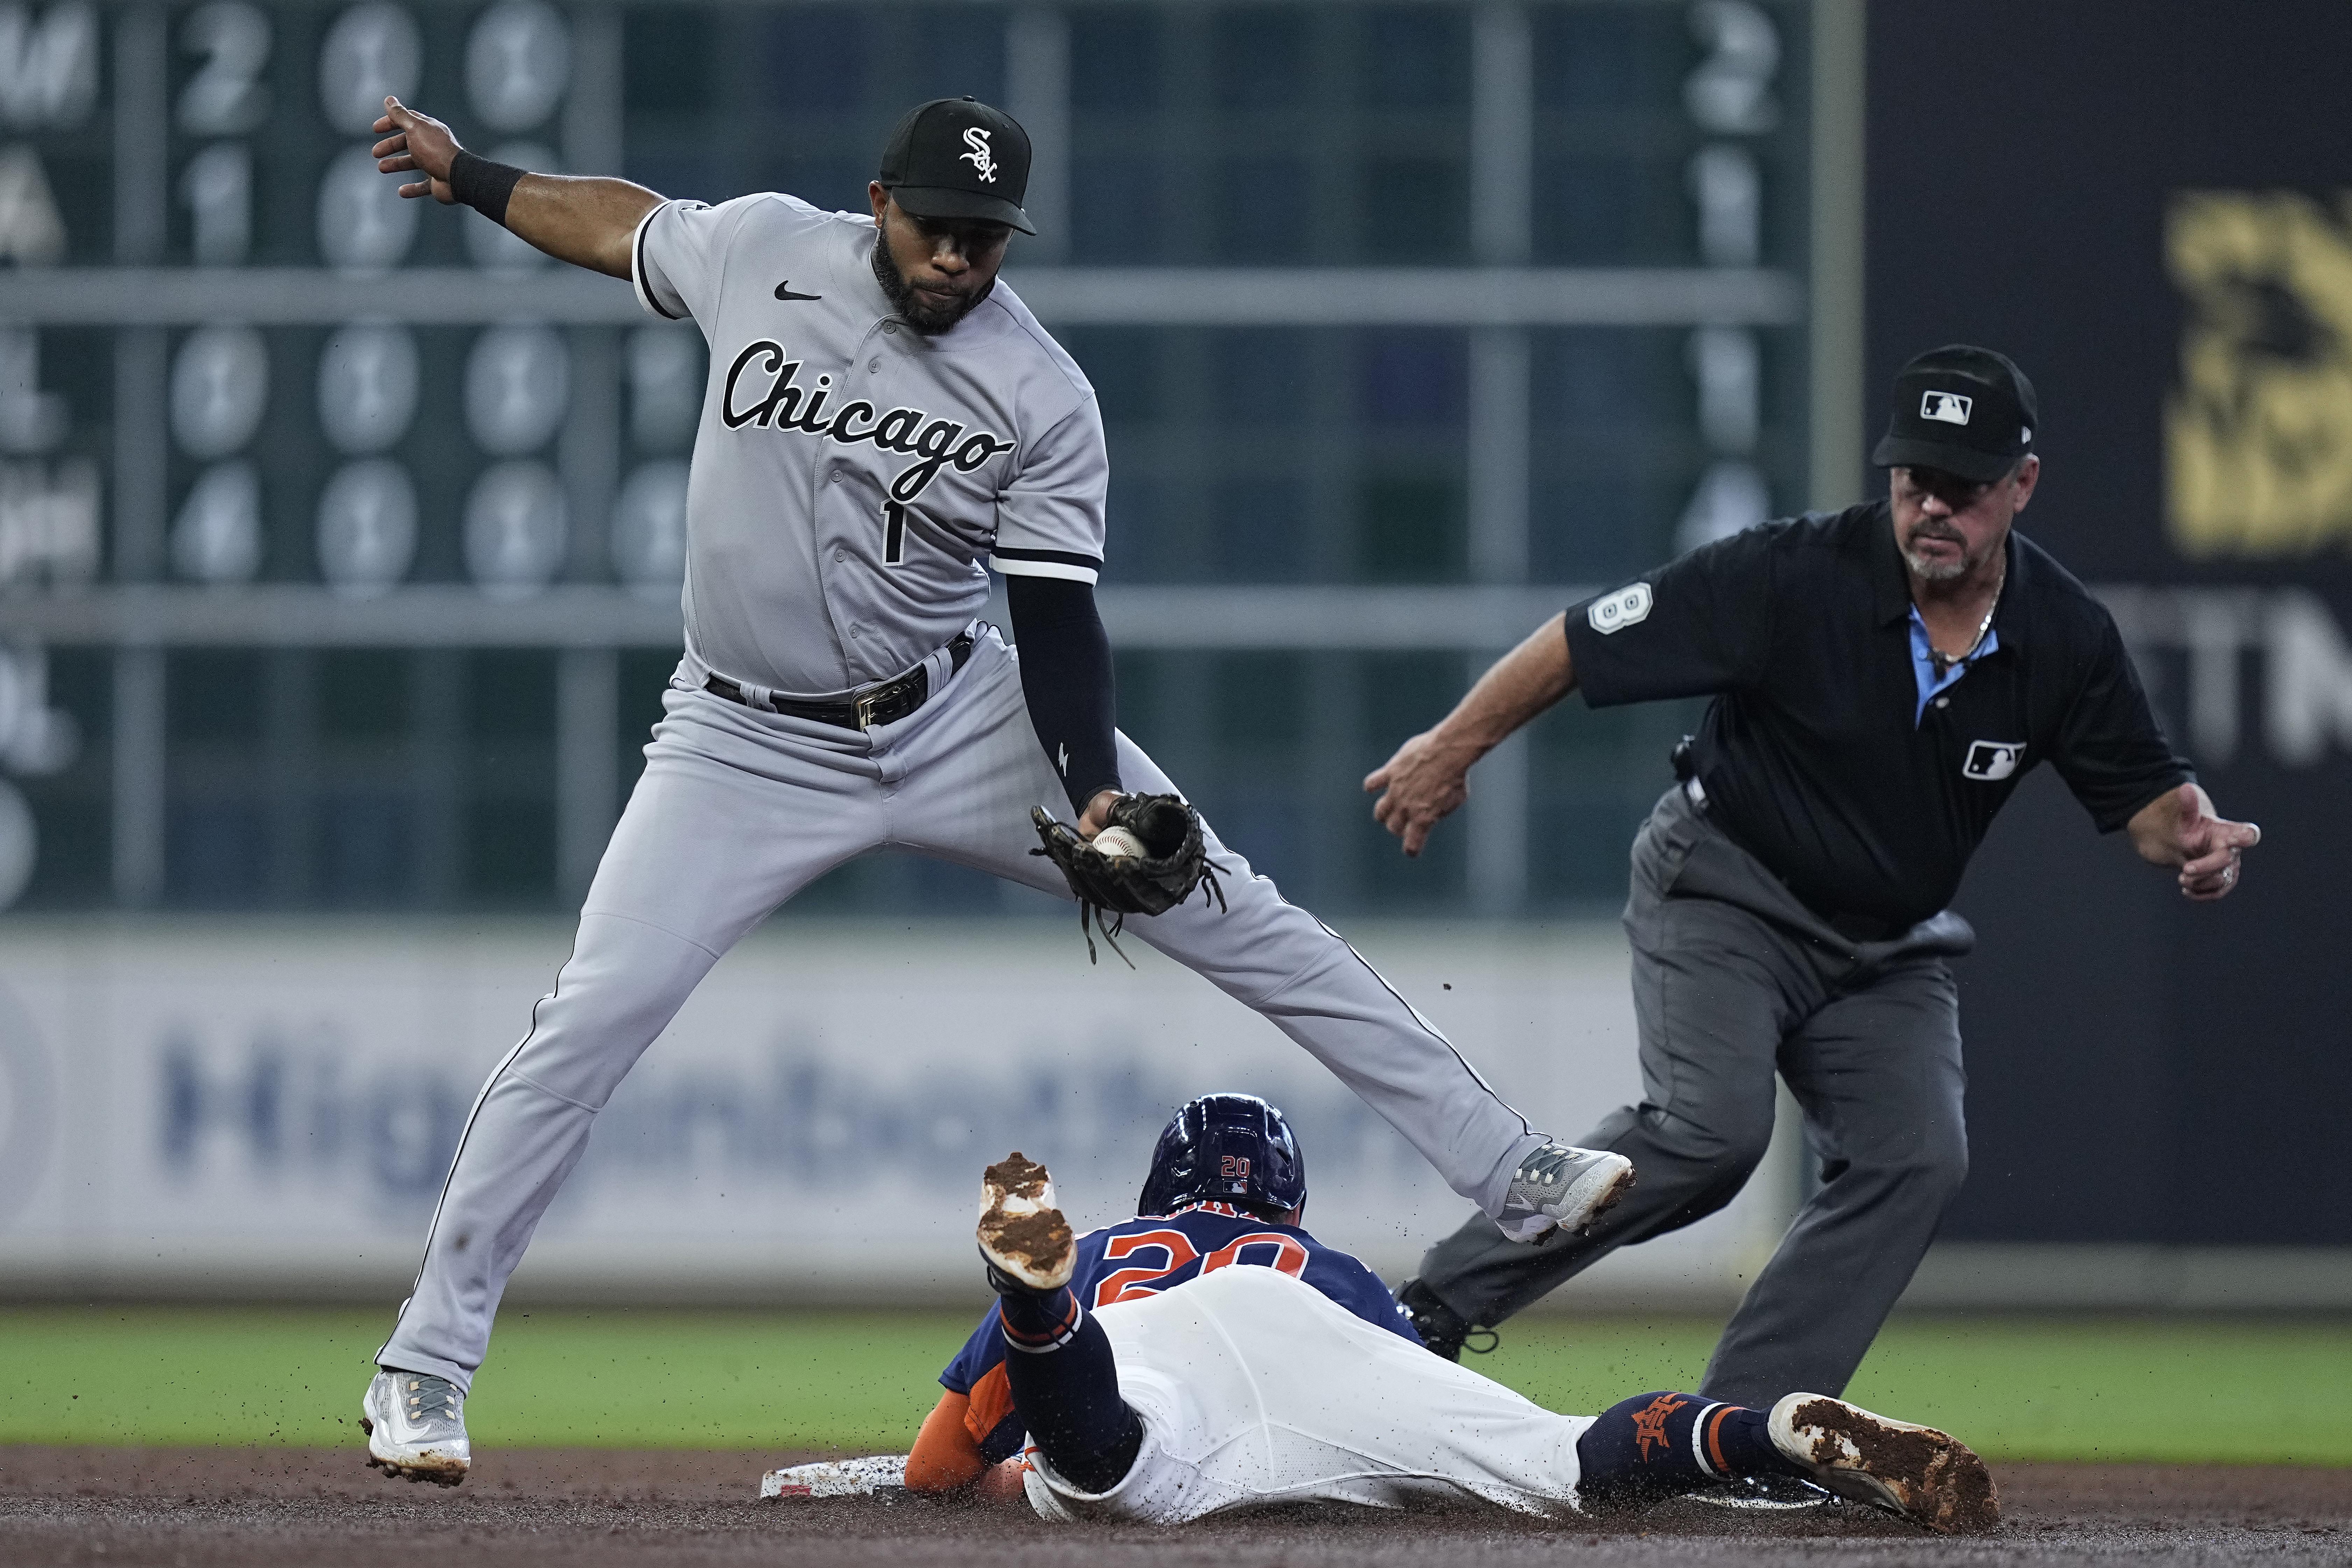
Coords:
1229,1147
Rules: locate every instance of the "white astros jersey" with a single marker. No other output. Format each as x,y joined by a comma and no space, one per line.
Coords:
850,474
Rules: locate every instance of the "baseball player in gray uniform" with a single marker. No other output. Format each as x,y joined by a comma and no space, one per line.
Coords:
884,422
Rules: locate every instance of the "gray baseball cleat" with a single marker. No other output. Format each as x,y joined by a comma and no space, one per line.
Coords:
416,1425
1915,1472
1560,1185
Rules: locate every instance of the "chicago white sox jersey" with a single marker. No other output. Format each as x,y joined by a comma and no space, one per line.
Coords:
850,474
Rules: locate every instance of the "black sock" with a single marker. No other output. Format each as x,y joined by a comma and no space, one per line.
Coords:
1065,1385
1655,1445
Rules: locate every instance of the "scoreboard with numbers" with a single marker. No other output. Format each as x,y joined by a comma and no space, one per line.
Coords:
1434,295
293,448
233,361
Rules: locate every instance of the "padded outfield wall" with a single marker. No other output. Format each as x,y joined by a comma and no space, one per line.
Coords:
2151,210
251,1107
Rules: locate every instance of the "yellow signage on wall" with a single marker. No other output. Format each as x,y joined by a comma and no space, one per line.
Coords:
2258,435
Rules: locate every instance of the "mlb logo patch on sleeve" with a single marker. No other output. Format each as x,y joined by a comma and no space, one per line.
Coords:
1990,762
1947,407
1621,609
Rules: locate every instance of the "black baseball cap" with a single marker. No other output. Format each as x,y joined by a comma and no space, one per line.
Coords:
1968,411
956,157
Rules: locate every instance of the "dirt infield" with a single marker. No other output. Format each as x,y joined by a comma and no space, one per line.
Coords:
586,1508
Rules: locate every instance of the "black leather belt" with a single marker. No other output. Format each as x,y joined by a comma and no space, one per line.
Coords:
883,702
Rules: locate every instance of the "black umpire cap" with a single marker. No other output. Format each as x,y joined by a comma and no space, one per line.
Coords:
956,157
1966,410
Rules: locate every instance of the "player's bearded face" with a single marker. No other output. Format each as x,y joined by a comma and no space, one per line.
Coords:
1948,527
935,270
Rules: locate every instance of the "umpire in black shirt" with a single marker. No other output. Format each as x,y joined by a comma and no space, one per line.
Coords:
1882,678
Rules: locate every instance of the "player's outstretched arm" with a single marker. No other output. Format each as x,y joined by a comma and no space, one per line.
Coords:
2179,829
1429,777
945,1460
588,222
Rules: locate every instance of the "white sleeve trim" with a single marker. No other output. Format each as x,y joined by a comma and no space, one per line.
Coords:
1068,573
637,265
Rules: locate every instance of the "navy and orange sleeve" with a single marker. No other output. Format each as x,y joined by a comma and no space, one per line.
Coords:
978,1373
994,1426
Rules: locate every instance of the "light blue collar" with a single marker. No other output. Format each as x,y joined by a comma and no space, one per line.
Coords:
1922,665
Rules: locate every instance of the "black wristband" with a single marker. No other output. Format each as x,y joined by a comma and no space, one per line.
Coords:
483,185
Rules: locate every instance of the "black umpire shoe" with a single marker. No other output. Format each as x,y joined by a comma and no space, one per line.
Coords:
1443,1331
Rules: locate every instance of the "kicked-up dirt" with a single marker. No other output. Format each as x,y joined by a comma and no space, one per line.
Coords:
196,1507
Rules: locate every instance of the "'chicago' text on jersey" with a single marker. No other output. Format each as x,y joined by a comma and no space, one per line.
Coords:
785,406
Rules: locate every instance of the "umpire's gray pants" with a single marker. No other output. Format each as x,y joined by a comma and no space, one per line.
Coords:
1733,978
738,810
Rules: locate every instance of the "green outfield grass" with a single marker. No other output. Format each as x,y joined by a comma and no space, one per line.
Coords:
2045,1388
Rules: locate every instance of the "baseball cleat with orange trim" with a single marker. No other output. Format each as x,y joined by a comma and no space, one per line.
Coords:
1924,1475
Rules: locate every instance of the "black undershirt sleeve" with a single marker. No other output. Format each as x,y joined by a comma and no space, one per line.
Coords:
1065,677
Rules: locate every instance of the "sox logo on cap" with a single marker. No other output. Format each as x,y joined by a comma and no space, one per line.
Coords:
980,157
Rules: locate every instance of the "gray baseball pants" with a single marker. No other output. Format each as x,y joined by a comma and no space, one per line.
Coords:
1733,979
737,811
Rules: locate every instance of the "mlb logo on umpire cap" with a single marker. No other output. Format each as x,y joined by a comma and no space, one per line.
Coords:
1934,422
1990,762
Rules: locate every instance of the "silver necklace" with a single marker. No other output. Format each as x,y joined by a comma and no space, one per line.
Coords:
1944,662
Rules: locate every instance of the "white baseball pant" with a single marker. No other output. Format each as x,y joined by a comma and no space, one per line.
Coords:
1256,1389
737,811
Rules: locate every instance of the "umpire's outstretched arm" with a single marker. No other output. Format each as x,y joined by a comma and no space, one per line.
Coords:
586,221
1428,779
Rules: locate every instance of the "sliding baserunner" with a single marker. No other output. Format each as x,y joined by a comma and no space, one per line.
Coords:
1210,1354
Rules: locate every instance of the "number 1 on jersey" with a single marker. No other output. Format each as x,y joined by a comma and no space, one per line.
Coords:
894,533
